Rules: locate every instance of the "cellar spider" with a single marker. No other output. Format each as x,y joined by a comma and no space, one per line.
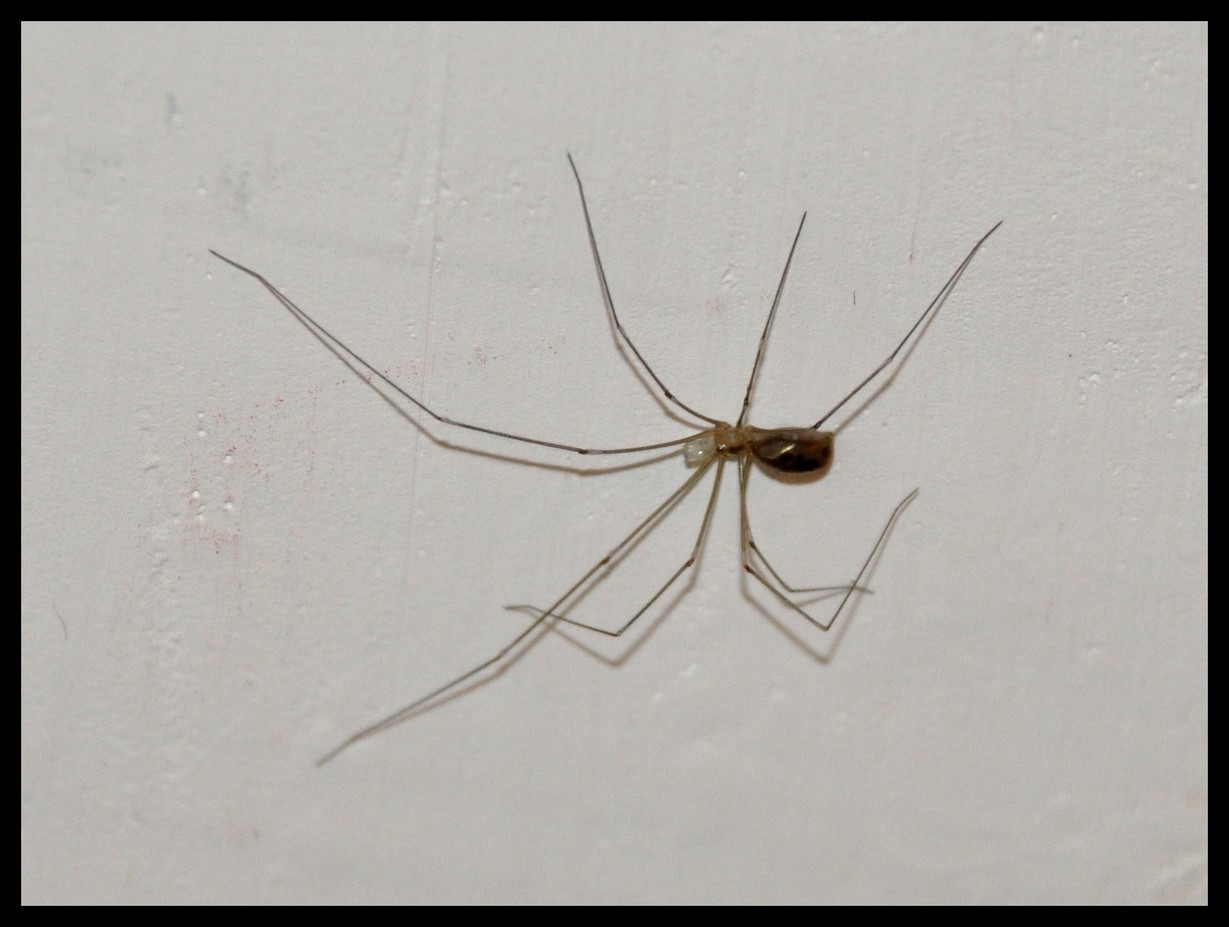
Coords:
798,452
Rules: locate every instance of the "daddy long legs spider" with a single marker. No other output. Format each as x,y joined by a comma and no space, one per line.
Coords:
799,451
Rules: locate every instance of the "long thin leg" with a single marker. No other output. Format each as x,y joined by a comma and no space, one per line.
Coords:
687,564
402,713
855,586
772,314
748,540
935,303
610,307
332,340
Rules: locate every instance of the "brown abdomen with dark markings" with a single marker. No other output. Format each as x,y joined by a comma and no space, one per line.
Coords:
791,450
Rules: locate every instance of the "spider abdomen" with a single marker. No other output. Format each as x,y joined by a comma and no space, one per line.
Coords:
791,450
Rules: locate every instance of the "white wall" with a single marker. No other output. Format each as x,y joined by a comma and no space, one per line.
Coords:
234,553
